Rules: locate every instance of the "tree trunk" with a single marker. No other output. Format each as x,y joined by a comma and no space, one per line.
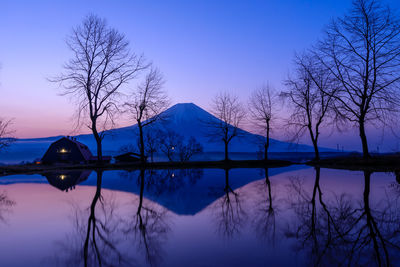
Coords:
268,182
142,157
266,146
141,191
314,140
363,137
92,221
316,149
226,151
227,187
98,142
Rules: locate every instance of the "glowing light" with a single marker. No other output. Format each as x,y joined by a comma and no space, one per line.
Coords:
63,176
172,148
63,150
173,175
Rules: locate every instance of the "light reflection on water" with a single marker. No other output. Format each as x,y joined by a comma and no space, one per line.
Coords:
211,217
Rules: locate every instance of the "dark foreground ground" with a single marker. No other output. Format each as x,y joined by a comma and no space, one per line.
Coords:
37,169
377,163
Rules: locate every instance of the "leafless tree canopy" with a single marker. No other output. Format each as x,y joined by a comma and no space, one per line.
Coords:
5,133
310,94
262,105
228,109
100,65
362,51
149,100
147,103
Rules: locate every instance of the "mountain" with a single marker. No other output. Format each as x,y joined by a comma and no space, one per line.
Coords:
186,119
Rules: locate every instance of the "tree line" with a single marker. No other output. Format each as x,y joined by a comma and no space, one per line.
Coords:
349,78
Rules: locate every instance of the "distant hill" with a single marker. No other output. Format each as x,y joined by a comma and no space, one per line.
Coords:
186,119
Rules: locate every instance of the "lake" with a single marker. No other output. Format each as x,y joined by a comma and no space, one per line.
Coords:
292,216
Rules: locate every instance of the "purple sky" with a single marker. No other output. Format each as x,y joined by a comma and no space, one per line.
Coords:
202,47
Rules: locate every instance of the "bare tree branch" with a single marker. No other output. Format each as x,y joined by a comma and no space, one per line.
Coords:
230,113
262,105
310,95
101,64
146,104
362,52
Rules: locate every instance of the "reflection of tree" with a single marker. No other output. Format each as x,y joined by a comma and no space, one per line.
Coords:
342,232
169,180
159,182
149,226
230,215
103,233
264,217
5,206
97,239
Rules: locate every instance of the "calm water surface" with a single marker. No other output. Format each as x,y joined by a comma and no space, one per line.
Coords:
294,216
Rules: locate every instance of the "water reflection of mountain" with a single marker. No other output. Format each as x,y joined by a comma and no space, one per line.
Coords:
181,192
308,217
185,191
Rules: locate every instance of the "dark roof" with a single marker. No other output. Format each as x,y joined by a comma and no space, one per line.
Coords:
83,152
82,148
104,158
127,157
128,154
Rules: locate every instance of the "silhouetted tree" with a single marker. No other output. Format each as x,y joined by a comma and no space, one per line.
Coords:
230,114
362,51
151,144
309,98
174,145
169,142
5,133
262,105
101,64
187,149
147,103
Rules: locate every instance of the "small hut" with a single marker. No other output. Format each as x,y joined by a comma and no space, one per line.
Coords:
67,150
127,157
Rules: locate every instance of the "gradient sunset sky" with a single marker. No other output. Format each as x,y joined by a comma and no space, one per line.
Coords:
202,47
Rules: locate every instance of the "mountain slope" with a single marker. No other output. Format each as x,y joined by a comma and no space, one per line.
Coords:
186,119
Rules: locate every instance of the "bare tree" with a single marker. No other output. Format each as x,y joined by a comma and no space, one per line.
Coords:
310,94
147,103
101,64
169,143
5,133
189,149
230,113
362,51
261,108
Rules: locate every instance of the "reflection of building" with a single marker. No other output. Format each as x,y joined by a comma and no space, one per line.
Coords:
67,180
67,150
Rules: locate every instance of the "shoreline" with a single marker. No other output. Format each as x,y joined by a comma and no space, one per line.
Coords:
384,163
130,166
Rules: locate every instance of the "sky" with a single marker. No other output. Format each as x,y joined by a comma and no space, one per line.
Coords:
202,48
